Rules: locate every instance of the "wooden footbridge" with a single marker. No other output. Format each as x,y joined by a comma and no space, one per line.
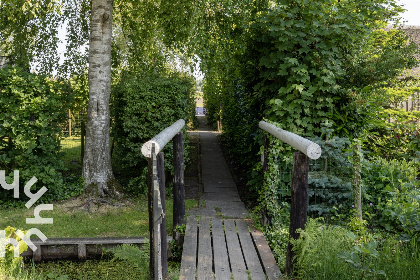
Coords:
220,241
226,249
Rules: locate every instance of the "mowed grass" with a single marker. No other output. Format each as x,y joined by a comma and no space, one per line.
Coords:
70,219
71,146
105,221
72,149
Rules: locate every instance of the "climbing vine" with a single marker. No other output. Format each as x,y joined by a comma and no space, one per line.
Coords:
296,63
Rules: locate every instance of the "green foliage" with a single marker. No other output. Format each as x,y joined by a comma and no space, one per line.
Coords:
333,252
32,108
139,259
80,92
149,36
89,269
28,33
77,17
175,245
317,249
11,263
277,235
357,257
298,63
391,131
329,178
142,107
392,192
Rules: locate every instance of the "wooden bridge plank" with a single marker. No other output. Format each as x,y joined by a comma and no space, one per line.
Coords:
250,254
237,262
221,260
189,252
269,263
205,254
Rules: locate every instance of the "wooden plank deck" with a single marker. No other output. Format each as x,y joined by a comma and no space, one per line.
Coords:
226,249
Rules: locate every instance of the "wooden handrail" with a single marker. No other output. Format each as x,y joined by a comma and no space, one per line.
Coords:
152,149
299,190
309,148
162,138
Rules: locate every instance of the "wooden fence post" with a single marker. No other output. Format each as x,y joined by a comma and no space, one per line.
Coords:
299,203
70,122
357,181
162,189
266,219
156,194
150,192
179,187
82,140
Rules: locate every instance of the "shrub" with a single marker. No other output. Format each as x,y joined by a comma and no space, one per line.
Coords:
317,249
392,195
333,252
31,110
141,108
10,263
139,259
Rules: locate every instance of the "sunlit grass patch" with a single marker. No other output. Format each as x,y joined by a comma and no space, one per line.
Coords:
72,220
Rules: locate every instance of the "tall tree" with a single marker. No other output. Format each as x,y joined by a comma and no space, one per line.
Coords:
97,169
28,33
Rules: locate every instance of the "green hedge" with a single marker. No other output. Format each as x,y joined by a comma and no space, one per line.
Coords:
32,108
141,108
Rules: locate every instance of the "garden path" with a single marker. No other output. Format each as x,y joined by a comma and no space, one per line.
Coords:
220,241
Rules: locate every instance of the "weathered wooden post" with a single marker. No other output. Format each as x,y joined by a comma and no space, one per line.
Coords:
156,199
299,192
70,122
179,186
163,237
82,140
357,181
266,219
150,210
152,207
298,204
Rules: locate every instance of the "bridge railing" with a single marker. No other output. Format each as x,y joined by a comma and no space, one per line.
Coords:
152,149
299,191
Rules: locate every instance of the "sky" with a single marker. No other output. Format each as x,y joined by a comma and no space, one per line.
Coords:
412,15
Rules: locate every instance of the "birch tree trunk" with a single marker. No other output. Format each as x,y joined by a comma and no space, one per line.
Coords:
97,170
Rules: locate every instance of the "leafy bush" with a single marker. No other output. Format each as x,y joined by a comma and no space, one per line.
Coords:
139,259
333,252
392,131
296,64
393,194
317,249
141,108
32,107
10,263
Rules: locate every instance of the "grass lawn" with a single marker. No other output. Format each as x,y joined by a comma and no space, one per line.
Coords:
71,220
72,148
